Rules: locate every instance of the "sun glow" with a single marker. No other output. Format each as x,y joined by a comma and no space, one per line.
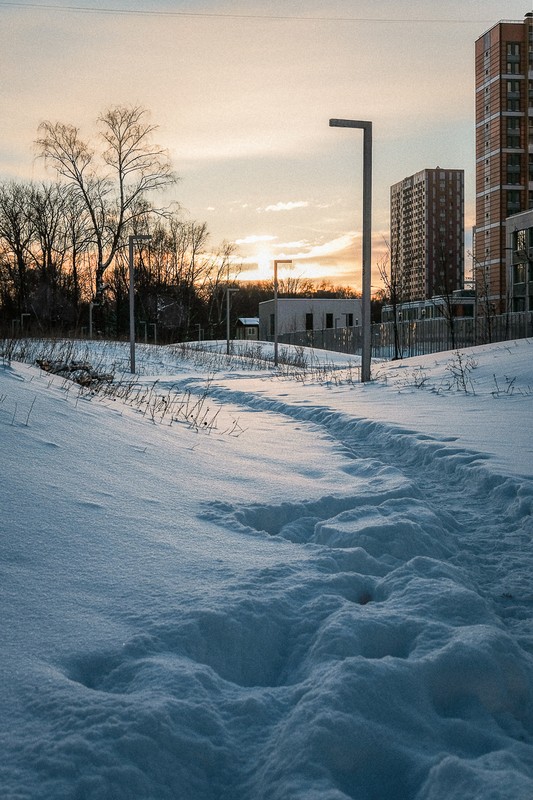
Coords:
265,265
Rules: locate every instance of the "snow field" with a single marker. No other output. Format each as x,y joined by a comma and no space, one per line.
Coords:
326,606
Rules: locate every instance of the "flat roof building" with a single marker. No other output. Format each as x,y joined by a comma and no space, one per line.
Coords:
427,233
520,261
308,314
504,150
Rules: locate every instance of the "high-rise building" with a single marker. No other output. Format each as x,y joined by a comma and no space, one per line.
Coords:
504,150
427,233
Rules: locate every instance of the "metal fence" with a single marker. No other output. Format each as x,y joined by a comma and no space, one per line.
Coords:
418,337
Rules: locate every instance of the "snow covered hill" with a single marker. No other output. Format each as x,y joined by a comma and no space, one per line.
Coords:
231,585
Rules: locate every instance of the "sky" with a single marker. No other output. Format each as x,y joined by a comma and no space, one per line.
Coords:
243,92
236,582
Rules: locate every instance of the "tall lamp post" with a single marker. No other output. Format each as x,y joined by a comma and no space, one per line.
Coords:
366,127
229,290
278,261
139,237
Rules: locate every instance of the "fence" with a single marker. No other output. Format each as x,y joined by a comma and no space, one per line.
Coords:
418,337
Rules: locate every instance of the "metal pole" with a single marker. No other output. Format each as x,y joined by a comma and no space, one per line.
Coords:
367,252
227,320
228,295
278,261
366,344
132,307
131,239
275,313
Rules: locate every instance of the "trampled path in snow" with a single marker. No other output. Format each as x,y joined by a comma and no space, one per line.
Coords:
483,519
435,553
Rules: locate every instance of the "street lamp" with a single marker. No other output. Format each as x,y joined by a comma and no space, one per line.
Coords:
91,306
139,237
278,261
366,127
229,290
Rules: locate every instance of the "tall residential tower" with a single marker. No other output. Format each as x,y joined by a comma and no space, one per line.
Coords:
504,150
427,233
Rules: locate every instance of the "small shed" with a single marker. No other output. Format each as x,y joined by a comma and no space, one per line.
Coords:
247,328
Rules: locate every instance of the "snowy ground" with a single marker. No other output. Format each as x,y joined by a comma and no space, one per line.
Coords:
300,587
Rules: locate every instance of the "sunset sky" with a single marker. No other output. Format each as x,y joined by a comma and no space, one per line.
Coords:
242,93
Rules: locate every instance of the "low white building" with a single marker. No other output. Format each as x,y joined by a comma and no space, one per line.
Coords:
308,314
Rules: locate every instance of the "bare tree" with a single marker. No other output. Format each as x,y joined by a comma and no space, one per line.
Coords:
113,183
217,280
393,281
485,308
17,233
48,211
445,284
77,232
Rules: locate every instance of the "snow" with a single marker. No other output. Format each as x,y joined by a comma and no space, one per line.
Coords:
304,588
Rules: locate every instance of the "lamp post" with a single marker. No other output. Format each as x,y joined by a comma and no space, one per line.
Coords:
139,237
278,261
366,127
91,306
229,290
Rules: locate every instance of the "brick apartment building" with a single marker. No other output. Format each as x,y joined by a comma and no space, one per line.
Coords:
504,152
427,233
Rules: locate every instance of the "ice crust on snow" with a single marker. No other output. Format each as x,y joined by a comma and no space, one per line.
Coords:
330,605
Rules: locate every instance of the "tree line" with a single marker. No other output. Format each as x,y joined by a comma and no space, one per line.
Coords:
64,255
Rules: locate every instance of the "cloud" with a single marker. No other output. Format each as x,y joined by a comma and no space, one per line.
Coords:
292,245
254,239
290,206
328,249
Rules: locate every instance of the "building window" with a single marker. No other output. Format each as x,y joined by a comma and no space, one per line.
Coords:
513,89
520,240
513,168
308,322
349,320
329,320
519,273
272,324
513,202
